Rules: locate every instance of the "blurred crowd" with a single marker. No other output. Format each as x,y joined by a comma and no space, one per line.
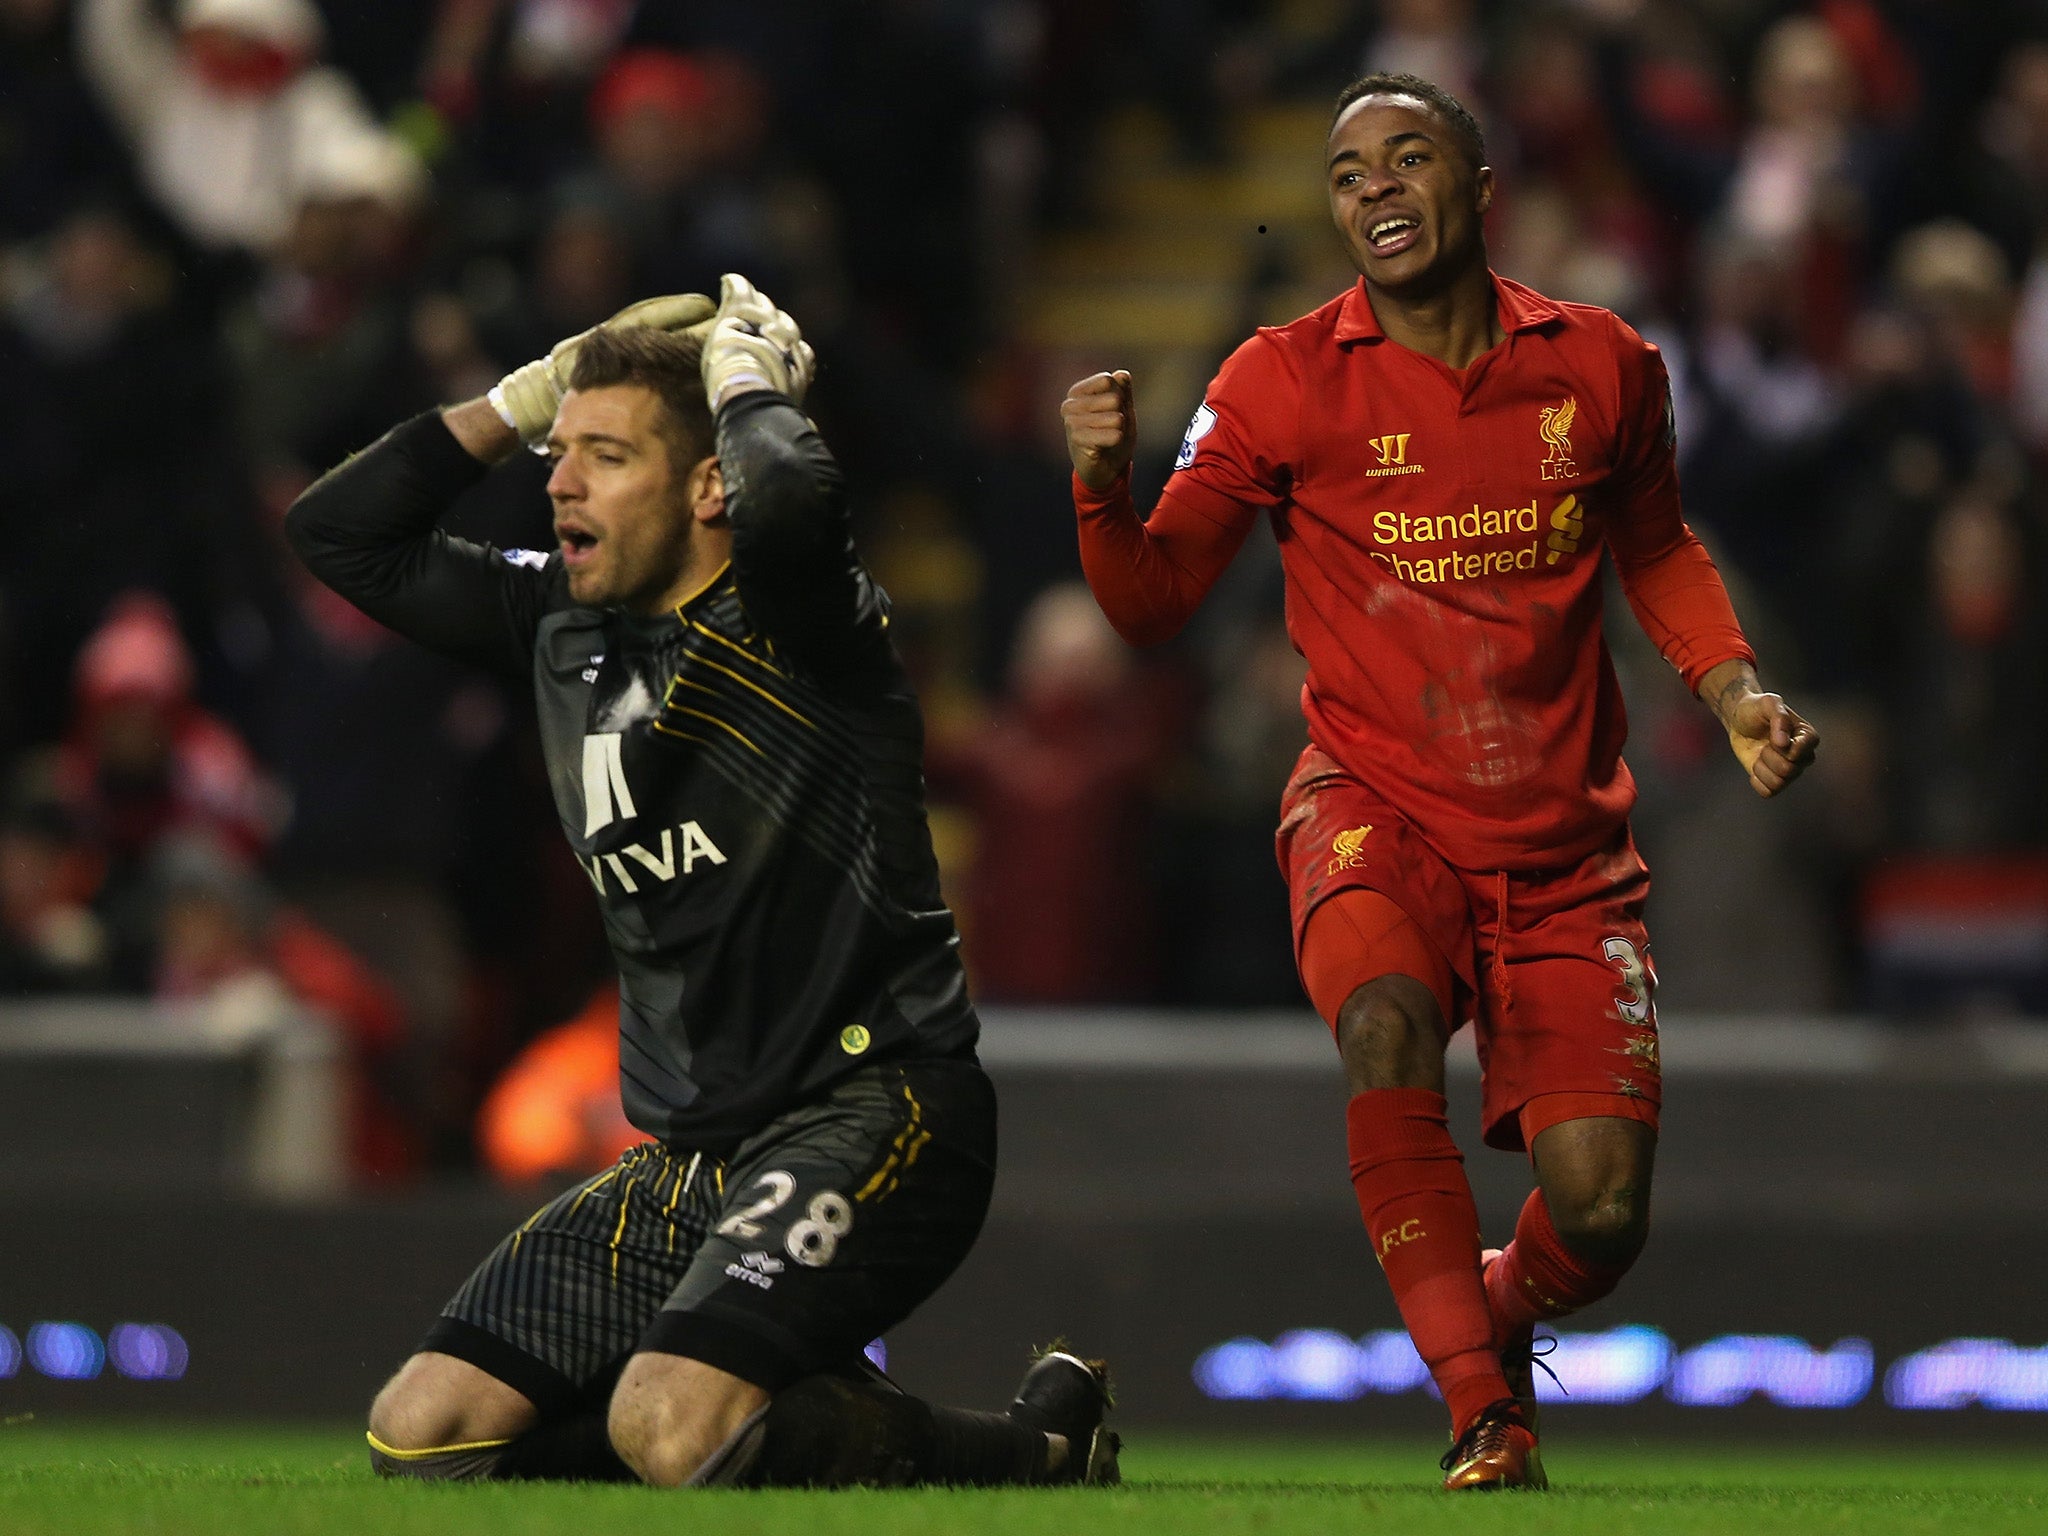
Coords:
240,238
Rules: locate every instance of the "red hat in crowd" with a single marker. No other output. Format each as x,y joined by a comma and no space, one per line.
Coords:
650,78
136,655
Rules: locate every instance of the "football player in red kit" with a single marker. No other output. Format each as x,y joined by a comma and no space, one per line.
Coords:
1444,454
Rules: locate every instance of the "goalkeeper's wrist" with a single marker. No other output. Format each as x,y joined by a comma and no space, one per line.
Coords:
744,382
496,395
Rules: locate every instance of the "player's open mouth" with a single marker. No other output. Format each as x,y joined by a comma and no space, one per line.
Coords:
577,544
1392,235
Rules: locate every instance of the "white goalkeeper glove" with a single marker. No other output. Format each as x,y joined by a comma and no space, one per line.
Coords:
753,345
527,398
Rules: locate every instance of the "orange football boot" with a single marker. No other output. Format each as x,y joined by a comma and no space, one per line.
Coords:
1498,1451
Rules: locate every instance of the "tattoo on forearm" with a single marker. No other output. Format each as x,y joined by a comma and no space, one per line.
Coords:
1743,682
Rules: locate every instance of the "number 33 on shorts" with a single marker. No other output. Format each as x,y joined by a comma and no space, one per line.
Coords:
811,1240
1637,979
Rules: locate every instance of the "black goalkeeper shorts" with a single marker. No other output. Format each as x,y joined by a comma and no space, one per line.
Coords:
819,1233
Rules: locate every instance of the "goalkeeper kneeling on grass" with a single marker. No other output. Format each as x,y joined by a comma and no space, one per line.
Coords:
734,750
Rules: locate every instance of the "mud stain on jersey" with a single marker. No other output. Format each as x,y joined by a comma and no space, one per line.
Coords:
1485,741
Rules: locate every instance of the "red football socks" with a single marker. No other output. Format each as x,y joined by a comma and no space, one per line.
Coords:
1538,1277
1418,1211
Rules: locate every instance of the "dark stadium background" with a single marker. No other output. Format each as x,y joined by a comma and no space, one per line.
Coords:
282,904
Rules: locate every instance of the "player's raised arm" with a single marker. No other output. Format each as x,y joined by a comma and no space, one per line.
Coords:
368,528
1102,428
1149,574
792,547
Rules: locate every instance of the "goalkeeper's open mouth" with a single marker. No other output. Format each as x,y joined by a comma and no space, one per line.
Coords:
578,543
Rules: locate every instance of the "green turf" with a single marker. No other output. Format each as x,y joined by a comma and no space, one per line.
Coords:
273,1482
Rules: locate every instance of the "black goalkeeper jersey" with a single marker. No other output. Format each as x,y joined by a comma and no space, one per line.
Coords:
740,777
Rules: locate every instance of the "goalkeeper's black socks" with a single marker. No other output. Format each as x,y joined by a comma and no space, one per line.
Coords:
573,1449
984,1450
828,1432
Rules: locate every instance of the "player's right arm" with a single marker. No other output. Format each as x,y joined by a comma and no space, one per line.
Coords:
1150,574
368,529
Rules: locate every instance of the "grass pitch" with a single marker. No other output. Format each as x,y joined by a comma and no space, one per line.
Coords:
281,1482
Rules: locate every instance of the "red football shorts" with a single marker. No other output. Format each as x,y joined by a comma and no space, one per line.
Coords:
1551,967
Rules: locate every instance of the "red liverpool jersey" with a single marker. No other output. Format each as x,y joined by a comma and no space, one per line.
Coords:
1441,530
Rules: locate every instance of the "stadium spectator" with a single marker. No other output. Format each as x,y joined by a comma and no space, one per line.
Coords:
228,113
1223,901
1061,779
1439,40
320,348
222,942
143,762
98,349
51,940
678,140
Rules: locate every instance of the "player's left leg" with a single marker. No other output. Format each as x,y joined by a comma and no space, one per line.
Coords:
1572,1074
1582,1226
837,1221
513,1378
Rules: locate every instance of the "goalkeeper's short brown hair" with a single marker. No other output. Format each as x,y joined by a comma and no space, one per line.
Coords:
668,364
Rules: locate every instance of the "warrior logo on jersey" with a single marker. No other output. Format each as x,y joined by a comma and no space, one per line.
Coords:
1198,428
1554,426
1393,455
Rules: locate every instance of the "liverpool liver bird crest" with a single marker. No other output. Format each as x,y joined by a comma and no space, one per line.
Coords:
1555,427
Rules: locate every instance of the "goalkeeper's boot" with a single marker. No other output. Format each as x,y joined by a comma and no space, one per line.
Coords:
1062,1394
1497,1451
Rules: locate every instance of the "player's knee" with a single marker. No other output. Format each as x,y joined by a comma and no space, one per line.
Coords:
434,1402
1608,1227
669,1416
664,1442
407,1419
1388,1035
648,1446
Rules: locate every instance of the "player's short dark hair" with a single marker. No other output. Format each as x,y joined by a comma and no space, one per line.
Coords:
1471,138
669,364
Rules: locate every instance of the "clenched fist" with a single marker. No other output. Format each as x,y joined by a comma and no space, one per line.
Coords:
1773,744
1102,428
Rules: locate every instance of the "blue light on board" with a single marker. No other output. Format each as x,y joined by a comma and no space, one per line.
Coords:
1631,1363
74,1352
148,1351
1962,1373
65,1351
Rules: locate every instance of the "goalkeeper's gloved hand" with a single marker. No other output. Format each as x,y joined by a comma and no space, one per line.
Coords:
753,345
527,398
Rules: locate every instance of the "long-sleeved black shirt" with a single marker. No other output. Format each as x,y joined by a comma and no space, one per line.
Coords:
740,777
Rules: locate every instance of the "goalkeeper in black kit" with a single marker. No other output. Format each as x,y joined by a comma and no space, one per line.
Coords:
735,753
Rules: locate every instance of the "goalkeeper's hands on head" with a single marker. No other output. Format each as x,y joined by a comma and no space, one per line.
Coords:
527,398
753,345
